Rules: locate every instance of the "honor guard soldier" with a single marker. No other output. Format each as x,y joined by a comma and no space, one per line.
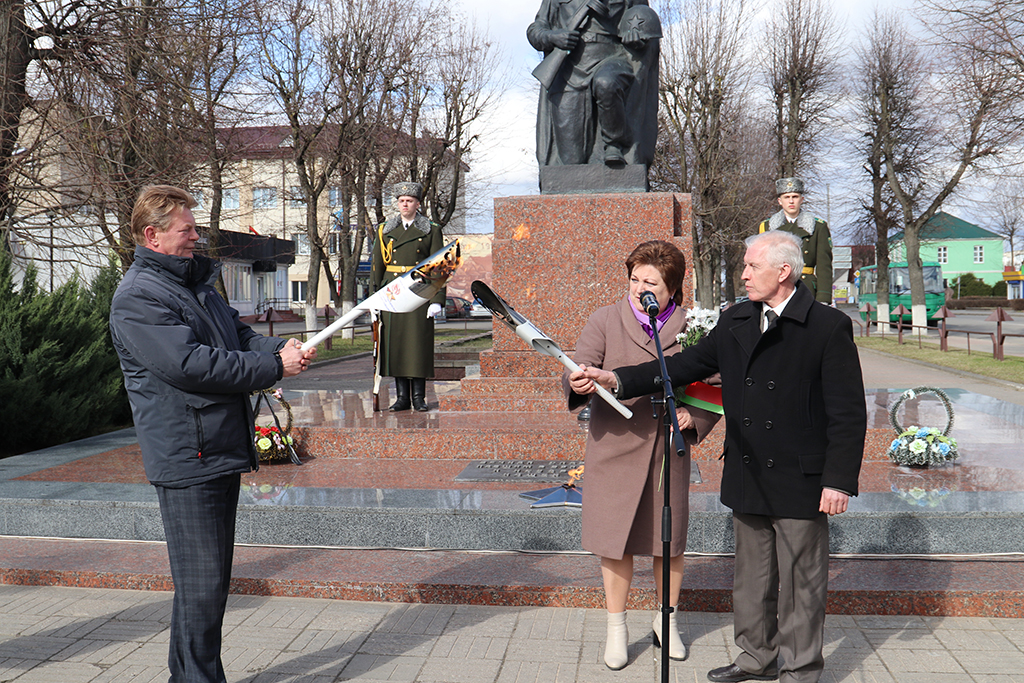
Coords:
406,346
814,233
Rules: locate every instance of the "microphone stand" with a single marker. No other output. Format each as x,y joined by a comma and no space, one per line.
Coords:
671,426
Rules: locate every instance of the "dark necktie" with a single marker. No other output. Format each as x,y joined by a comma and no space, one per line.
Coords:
771,316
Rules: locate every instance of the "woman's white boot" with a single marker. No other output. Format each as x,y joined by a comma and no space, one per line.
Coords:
616,650
676,647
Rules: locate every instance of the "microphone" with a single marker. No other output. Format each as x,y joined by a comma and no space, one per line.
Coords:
649,302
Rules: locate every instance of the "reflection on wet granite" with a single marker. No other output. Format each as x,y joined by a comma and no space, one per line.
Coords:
389,460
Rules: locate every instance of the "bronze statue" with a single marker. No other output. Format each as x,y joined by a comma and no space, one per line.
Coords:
599,82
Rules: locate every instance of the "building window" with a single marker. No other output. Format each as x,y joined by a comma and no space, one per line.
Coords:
264,197
979,253
299,291
301,242
237,281
229,198
198,196
943,255
295,199
334,195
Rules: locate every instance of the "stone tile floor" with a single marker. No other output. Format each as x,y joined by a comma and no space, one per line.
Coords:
78,635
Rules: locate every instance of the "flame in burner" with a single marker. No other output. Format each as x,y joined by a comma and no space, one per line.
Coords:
575,475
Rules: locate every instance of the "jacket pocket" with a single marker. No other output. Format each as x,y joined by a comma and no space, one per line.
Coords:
812,464
220,423
806,399
195,429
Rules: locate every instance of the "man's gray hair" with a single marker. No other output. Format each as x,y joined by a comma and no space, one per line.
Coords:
781,247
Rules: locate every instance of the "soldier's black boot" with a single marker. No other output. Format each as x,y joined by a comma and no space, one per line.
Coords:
402,394
419,394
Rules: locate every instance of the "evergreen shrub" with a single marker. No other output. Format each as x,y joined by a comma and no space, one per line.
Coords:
59,375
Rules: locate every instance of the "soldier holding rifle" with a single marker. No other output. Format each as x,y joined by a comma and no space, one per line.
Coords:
405,347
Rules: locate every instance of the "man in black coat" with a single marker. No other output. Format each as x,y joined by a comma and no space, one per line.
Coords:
795,425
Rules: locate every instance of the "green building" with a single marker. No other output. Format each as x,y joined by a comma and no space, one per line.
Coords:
958,246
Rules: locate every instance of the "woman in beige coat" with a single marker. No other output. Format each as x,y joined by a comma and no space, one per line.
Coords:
623,500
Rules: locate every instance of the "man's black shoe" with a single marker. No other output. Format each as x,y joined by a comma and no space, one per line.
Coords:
732,674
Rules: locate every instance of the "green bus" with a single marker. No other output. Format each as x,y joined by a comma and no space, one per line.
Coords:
899,290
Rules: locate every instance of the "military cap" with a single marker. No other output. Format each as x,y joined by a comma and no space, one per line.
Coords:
414,190
786,185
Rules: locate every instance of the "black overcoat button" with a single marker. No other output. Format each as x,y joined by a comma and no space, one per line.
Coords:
768,424
770,463
749,381
746,459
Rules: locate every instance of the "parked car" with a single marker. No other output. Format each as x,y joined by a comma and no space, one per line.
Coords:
478,310
457,307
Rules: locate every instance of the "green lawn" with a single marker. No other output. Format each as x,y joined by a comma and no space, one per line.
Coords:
978,362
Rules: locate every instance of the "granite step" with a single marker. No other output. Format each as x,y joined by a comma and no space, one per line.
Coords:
976,588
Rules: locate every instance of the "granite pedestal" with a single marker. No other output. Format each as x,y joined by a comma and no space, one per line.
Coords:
558,258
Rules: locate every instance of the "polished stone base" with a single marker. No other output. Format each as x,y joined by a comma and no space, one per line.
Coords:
593,179
389,480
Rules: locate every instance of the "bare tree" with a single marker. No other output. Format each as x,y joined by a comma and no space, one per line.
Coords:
981,111
297,32
222,55
749,193
802,45
119,80
340,73
992,27
459,79
1006,208
374,56
895,132
702,85
16,53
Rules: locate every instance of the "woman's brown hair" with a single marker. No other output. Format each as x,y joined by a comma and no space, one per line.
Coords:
667,258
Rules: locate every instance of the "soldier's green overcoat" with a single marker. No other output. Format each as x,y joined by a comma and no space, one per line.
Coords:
817,250
407,339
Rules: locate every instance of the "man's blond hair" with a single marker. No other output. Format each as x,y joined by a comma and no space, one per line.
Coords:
156,206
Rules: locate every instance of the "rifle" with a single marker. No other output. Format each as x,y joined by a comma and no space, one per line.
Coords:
547,71
376,361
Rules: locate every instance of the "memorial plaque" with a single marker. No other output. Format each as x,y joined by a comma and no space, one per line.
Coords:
555,471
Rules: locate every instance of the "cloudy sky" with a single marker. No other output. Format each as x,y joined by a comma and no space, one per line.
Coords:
503,161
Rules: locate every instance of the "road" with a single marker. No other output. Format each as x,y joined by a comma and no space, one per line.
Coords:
970,321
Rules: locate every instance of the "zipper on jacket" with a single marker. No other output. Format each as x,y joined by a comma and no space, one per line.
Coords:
197,421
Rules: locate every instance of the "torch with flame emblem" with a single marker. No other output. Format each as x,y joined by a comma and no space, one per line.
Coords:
404,294
534,338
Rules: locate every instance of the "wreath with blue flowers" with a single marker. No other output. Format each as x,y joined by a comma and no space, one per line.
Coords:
922,446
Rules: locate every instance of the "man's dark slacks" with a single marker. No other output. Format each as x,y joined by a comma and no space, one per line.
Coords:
779,593
199,525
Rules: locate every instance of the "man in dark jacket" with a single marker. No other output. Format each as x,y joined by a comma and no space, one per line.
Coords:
795,424
406,339
189,365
